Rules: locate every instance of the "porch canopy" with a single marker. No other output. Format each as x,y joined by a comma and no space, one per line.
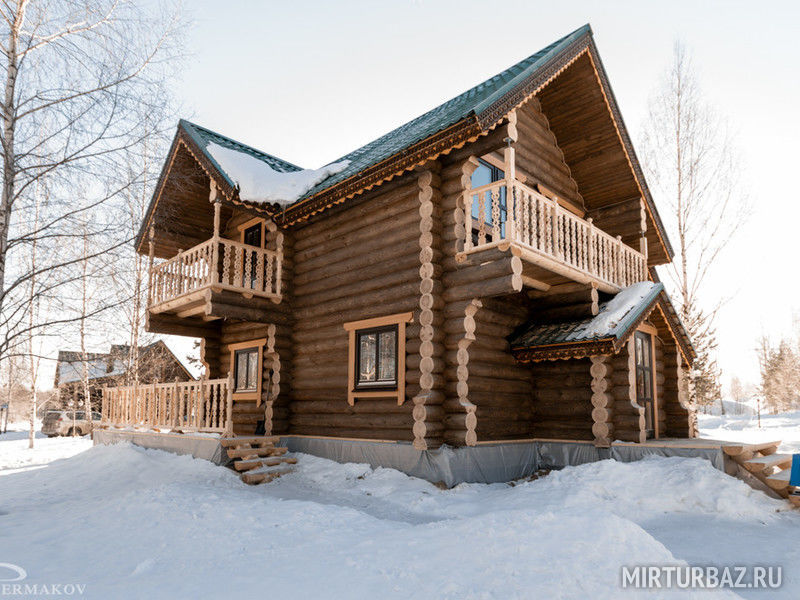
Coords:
604,333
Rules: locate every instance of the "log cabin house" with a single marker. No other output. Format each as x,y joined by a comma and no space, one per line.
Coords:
481,277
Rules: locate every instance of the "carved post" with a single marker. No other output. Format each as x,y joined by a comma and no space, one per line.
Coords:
229,409
590,251
215,237
151,253
619,278
509,160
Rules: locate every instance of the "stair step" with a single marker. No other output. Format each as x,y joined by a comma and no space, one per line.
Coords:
265,477
762,463
764,448
247,465
779,481
241,440
264,450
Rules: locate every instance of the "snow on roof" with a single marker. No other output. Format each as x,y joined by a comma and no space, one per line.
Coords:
99,367
258,182
614,311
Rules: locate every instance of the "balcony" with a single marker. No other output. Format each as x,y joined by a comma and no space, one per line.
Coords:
239,277
555,243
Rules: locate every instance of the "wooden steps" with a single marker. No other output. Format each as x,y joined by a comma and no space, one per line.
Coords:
250,452
763,462
758,464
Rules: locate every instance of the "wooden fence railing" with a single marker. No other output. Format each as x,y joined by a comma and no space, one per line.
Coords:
540,225
204,405
225,265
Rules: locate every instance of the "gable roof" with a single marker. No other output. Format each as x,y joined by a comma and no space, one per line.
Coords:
102,365
605,333
459,120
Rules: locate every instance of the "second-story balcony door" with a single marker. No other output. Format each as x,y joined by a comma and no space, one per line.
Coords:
483,215
252,236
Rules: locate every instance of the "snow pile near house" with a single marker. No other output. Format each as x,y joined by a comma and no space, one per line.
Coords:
258,182
615,310
132,523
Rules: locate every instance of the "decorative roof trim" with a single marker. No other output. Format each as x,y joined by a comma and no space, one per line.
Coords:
229,195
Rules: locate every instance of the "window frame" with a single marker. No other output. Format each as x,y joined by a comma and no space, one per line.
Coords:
359,385
396,390
258,346
252,350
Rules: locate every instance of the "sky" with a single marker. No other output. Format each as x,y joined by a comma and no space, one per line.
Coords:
311,81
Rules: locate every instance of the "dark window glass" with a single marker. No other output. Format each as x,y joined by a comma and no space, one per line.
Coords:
376,357
251,237
246,370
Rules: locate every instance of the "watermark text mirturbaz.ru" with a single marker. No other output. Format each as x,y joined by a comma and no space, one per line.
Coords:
701,577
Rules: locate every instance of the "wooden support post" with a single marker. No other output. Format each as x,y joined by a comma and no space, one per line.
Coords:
229,409
618,279
509,164
215,237
177,405
151,257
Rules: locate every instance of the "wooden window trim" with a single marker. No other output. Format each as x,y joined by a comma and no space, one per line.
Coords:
399,392
258,345
241,228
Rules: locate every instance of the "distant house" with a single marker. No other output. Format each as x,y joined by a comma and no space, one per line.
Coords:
156,363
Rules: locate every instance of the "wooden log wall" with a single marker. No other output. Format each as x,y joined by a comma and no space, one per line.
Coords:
356,262
539,158
562,399
678,418
628,417
602,369
627,219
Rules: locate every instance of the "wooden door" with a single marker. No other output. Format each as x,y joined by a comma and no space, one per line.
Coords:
644,379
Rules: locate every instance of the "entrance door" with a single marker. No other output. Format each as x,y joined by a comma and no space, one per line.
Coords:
252,237
644,379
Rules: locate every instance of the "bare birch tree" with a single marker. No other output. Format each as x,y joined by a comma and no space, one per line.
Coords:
693,168
77,76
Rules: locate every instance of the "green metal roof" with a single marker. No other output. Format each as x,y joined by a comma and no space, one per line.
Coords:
203,137
532,335
474,101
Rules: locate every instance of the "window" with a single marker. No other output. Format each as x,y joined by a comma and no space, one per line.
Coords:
245,374
246,368
485,174
252,235
377,357
644,378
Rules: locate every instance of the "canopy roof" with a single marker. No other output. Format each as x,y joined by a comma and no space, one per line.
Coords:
605,333
576,97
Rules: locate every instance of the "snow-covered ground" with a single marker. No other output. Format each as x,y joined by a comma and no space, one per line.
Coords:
744,428
133,523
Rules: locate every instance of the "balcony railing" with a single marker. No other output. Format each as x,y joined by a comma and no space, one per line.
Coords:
545,229
205,405
224,265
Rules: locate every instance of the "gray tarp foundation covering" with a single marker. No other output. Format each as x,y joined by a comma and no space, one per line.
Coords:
490,463
207,447
486,463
